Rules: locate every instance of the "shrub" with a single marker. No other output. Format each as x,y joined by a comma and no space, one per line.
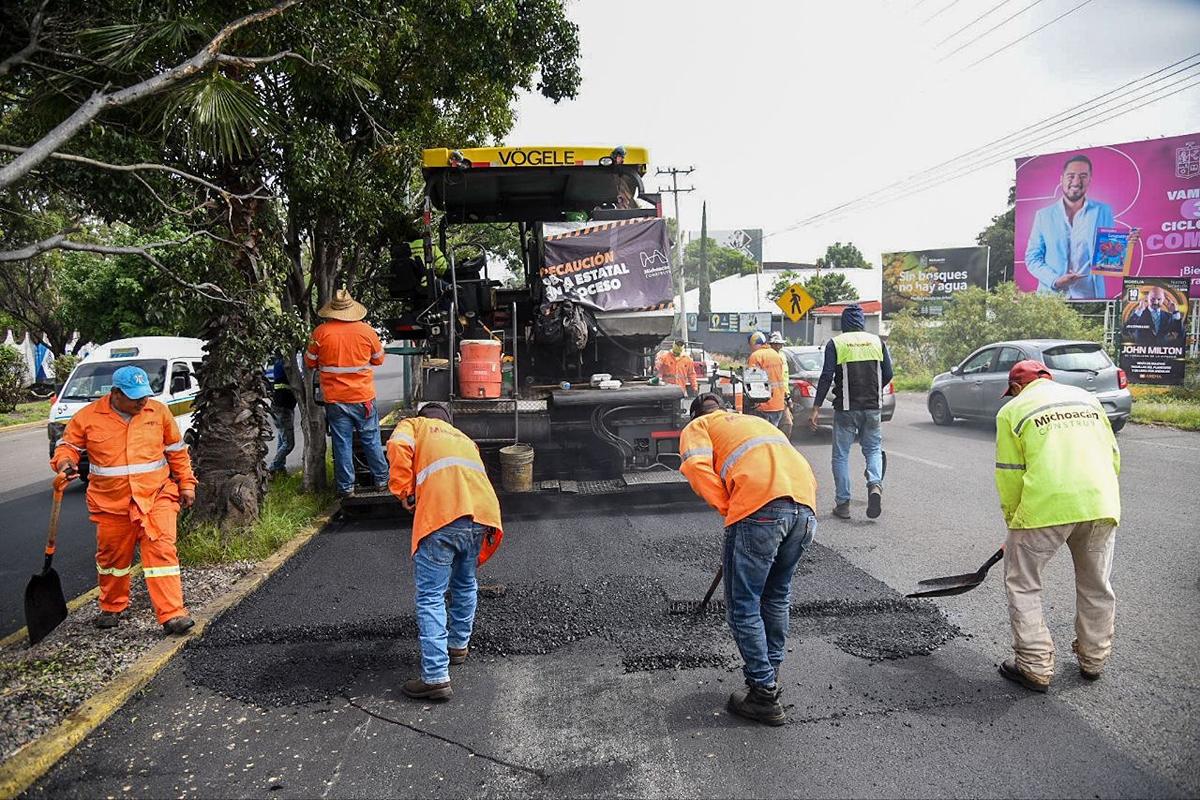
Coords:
12,377
63,366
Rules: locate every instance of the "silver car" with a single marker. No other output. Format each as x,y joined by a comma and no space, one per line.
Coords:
804,372
975,388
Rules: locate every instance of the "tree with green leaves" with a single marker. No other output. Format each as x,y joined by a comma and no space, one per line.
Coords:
843,256
824,288
998,235
721,262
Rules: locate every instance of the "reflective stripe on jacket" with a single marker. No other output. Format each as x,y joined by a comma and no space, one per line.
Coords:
771,362
859,383
739,463
438,464
129,461
1057,460
343,353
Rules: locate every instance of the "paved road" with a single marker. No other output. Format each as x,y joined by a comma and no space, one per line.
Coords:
581,684
25,511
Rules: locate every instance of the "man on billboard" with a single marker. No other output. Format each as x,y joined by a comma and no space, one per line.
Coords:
1063,238
1156,322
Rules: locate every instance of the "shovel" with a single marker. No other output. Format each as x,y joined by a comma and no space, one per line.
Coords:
956,584
45,605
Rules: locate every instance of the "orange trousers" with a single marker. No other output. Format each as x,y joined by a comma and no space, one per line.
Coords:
154,534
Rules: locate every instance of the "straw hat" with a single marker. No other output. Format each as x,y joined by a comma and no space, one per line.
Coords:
343,307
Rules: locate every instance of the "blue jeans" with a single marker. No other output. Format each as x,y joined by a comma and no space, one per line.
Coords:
847,427
773,417
761,553
446,558
346,419
285,419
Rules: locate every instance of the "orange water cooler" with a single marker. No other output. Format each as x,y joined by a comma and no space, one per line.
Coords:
479,373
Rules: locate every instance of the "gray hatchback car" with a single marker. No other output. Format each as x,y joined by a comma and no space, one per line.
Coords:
975,388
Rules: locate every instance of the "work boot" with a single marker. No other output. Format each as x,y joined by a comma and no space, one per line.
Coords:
758,704
381,487
874,500
458,655
1088,674
178,626
110,619
420,690
1012,672
344,494
842,510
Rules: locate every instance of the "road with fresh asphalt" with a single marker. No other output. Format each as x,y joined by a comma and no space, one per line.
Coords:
580,682
25,511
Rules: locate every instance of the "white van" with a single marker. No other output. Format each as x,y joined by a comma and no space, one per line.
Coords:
172,362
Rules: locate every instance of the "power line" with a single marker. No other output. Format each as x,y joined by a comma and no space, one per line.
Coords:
972,22
1035,129
940,11
999,24
933,182
1026,36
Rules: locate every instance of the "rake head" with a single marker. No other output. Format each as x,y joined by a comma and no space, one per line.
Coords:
697,607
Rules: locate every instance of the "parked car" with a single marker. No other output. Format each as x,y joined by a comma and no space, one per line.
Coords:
705,364
975,388
804,368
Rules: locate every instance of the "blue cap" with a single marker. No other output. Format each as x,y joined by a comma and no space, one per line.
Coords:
133,382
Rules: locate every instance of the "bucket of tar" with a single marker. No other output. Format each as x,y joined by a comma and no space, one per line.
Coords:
516,468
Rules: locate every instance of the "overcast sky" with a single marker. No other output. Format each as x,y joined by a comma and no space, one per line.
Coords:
788,109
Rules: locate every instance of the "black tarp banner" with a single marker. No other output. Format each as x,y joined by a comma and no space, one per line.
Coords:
623,265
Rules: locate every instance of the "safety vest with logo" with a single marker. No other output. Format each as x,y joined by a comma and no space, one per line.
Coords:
436,462
739,463
769,361
344,353
128,461
1057,459
858,383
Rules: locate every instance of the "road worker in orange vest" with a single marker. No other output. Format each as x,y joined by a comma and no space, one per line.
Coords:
140,476
344,350
764,489
675,367
437,473
770,362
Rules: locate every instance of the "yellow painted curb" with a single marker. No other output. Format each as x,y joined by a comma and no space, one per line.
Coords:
24,426
35,759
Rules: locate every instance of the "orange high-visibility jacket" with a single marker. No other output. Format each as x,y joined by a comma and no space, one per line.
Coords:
685,371
664,365
132,460
437,463
344,353
772,363
739,463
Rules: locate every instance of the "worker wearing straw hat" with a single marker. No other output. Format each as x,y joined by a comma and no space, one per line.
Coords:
344,350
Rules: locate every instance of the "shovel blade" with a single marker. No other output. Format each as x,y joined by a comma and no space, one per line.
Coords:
943,587
45,605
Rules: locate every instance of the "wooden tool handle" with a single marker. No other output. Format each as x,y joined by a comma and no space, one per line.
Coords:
60,485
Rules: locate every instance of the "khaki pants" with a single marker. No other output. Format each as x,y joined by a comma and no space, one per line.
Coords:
786,423
1026,554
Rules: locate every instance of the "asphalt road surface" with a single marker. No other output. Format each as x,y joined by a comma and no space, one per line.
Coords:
25,512
581,684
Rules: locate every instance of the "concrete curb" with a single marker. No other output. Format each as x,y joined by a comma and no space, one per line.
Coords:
24,426
35,759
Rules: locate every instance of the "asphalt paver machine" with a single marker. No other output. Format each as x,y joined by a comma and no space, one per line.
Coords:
558,357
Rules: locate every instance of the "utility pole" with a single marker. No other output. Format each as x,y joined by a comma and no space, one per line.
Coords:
682,284
705,294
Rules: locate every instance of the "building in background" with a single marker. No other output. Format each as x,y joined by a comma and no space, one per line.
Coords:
827,320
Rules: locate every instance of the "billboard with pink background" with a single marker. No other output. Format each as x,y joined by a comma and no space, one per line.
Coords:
1153,186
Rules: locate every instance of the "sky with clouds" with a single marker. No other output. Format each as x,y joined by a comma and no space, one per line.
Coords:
789,109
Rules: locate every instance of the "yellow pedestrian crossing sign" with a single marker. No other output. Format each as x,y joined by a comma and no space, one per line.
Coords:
795,302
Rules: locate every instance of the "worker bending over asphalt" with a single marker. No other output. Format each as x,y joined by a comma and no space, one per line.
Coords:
771,362
764,489
858,367
139,476
436,472
344,350
1056,472
675,367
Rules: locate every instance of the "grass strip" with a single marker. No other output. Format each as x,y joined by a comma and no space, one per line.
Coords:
912,383
1176,414
286,512
26,412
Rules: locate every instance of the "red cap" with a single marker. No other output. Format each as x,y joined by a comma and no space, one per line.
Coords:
1024,372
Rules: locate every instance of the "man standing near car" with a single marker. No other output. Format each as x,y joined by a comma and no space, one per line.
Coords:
344,350
857,367
786,423
771,362
139,477
1043,437
765,492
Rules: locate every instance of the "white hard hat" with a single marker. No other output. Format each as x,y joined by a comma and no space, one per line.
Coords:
776,338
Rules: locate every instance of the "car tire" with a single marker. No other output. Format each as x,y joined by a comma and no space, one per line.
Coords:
939,410
1117,424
